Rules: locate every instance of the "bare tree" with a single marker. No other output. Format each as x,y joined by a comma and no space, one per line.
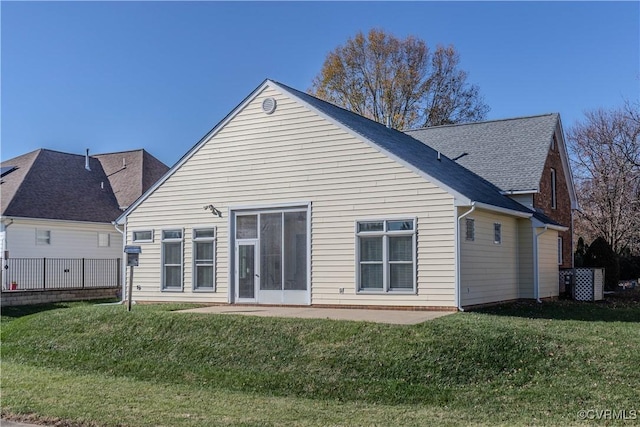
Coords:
606,150
385,78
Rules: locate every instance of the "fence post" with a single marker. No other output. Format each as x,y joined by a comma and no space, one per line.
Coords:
44,273
82,273
119,279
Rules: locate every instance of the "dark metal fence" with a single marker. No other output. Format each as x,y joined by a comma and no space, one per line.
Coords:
62,273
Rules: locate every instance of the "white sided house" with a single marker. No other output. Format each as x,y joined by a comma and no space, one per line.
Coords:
292,200
57,211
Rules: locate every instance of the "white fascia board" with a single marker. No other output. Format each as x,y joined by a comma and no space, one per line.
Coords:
564,157
122,218
503,210
458,196
518,192
539,224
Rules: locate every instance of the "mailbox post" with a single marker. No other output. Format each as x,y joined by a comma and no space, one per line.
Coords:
133,253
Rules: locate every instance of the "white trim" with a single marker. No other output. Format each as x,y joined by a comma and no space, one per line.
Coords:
64,221
564,158
269,206
518,192
180,240
142,230
214,241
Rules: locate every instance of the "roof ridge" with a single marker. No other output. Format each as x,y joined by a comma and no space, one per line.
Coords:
37,155
506,119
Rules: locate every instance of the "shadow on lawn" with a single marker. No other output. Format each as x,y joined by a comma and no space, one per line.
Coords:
12,313
623,306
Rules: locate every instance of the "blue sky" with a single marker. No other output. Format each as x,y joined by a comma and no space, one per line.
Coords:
114,76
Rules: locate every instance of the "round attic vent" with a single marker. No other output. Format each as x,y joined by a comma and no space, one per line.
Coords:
269,105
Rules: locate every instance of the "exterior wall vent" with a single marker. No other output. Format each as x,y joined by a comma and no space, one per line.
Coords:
269,105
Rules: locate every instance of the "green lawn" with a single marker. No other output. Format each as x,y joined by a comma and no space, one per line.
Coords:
515,364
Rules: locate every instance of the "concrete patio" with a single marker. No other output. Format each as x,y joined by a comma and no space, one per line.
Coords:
397,317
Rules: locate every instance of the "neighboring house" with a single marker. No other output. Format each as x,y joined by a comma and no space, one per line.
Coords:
292,200
525,157
60,205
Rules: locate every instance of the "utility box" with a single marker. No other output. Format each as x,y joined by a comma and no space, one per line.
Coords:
133,255
589,284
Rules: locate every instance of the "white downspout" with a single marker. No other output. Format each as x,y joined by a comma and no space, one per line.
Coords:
458,290
536,276
123,270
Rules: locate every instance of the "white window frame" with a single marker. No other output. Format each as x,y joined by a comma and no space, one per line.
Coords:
164,240
560,255
385,234
43,237
133,236
470,229
104,240
194,240
497,233
554,200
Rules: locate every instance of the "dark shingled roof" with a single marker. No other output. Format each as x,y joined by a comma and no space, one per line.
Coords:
509,153
54,185
131,173
416,153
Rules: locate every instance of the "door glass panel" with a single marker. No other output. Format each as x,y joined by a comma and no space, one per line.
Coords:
271,251
246,271
247,227
295,250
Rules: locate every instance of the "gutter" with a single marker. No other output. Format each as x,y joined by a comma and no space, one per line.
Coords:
458,290
5,249
536,276
123,272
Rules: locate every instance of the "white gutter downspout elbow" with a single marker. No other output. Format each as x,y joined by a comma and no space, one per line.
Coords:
536,266
123,274
458,290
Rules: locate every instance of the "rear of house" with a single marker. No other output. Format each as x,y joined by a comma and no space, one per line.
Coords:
290,200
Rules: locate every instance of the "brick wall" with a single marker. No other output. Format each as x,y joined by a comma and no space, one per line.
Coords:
562,212
14,298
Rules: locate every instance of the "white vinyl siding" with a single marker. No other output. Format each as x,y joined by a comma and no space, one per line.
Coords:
489,272
525,258
295,155
69,239
548,264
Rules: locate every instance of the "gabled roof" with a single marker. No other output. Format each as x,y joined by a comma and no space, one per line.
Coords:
466,186
49,184
509,153
425,160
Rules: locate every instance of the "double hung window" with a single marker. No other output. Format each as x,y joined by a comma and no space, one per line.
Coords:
204,249
386,255
172,260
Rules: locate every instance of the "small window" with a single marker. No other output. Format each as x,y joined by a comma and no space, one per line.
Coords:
204,250
559,250
143,236
386,257
172,260
470,233
104,240
43,237
497,233
553,188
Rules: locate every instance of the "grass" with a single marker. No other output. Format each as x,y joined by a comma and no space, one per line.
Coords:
514,364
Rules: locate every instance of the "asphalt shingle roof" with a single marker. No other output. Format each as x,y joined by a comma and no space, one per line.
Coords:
54,185
508,153
416,153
